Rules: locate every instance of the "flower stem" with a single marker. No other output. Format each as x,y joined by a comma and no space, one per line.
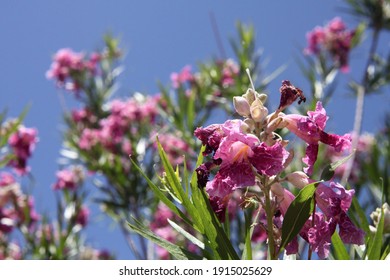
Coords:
312,225
270,225
360,94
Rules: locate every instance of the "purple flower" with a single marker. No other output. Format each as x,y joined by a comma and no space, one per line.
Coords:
185,75
175,147
334,201
335,39
68,179
82,216
22,143
240,157
319,236
289,93
311,129
6,179
210,136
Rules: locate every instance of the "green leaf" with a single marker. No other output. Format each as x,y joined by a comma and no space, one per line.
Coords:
340,251
364,224
187,235
178,190
6,159
357,37
328,172
298,213
161,195
175,250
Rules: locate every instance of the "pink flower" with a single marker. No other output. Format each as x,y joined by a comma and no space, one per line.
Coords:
333,201
184,76
65,61
7,220
229,72
311,130
319,236
335,39
83,116
239,156
89,138
315,38
175,148
82,216
68,68
6,179
68,179
22,143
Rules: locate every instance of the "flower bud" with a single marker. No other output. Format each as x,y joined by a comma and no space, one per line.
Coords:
250,95
298,179
251,125
278,190
258,111
376,216
241,106
263,97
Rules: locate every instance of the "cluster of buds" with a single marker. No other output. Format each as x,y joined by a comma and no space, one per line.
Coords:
376,217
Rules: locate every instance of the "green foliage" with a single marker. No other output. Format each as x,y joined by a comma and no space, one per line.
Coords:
199,214
298,213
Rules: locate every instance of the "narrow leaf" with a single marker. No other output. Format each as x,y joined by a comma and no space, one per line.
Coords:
328,172
364,224
340,251
187,235
179,192
161,195
176,251
298,213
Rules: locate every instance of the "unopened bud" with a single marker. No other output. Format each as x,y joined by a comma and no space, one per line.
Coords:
298,179
263,97
241,106
258,111
274,124
250,95
278,190
250,125
376,216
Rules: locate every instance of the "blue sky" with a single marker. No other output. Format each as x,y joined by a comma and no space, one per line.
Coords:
159,37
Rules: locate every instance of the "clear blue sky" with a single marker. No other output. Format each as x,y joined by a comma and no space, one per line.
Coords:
159,37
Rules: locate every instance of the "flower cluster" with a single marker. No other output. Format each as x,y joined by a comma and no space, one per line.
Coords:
112,131
69,179
69,68
16,208
335,39
250,154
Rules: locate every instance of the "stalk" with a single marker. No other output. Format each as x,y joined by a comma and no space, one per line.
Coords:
360,94
270,223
